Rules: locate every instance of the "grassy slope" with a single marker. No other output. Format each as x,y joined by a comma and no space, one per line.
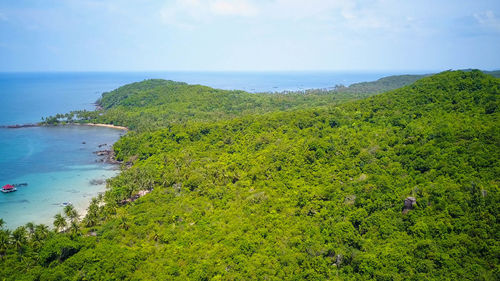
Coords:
309,194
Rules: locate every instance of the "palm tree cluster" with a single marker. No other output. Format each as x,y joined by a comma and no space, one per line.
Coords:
68,222
31,235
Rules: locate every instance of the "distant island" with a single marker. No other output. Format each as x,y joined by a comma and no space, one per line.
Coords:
341,184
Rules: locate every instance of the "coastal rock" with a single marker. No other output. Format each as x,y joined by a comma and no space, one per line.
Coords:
97,181
18,126
108,156
103,152
410,203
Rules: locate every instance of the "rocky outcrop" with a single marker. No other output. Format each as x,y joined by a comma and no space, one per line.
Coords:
410,203
18,126
107,156
97,181
135,196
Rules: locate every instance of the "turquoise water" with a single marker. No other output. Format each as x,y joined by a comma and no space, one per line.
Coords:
58,167
56,164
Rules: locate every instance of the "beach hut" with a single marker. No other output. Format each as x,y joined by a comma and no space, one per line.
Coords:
8,188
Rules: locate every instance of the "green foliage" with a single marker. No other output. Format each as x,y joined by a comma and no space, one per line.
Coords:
381,85
153,104
311,194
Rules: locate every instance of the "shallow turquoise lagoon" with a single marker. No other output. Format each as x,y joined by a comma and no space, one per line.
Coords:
58,163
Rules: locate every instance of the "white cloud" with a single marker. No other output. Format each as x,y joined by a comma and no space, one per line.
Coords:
341,15
488,19
234,8
190,13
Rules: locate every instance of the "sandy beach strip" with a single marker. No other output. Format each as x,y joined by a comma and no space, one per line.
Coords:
105,125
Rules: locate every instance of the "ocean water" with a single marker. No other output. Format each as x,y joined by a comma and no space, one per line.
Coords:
58,163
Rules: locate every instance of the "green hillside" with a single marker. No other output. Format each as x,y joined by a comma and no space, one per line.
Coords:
314,193
390,83
382,85
156,103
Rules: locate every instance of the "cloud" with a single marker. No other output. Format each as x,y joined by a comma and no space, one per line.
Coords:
488,19
190,13
234,8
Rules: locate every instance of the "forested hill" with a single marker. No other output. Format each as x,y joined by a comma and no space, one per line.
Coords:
392,82
156,103
382,85
311,194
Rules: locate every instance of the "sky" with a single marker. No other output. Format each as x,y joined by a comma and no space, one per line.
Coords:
249,35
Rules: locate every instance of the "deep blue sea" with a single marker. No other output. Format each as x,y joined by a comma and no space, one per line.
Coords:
58,163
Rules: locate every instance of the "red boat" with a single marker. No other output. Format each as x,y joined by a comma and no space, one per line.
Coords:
8,188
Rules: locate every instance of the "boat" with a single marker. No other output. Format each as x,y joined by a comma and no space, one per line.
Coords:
8,188
64,204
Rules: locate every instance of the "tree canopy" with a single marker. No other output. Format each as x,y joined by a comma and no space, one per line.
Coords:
313,193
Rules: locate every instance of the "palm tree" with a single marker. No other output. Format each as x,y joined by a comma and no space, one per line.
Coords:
59,222
4,242
19,237
90,220
31,228
41,233
74,227
70,212
123,223
2,223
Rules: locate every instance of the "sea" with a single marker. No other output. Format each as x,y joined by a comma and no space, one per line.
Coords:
59,165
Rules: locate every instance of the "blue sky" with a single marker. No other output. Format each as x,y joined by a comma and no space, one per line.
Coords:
262,35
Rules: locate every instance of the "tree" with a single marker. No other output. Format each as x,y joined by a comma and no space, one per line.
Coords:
30,226
59,222
70,212
74,228
4,242
20,237
41,233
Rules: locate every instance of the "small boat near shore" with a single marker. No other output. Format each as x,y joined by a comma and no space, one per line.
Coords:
8,188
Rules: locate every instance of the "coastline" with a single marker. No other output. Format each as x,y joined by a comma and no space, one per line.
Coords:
48,188
19,126
102,125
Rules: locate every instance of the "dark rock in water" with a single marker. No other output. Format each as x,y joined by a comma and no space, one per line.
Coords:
410,203
108,156
83,142
17,126
97,181
102,152
101,145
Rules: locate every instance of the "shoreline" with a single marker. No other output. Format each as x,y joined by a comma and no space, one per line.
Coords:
20,126
102,125
81,191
